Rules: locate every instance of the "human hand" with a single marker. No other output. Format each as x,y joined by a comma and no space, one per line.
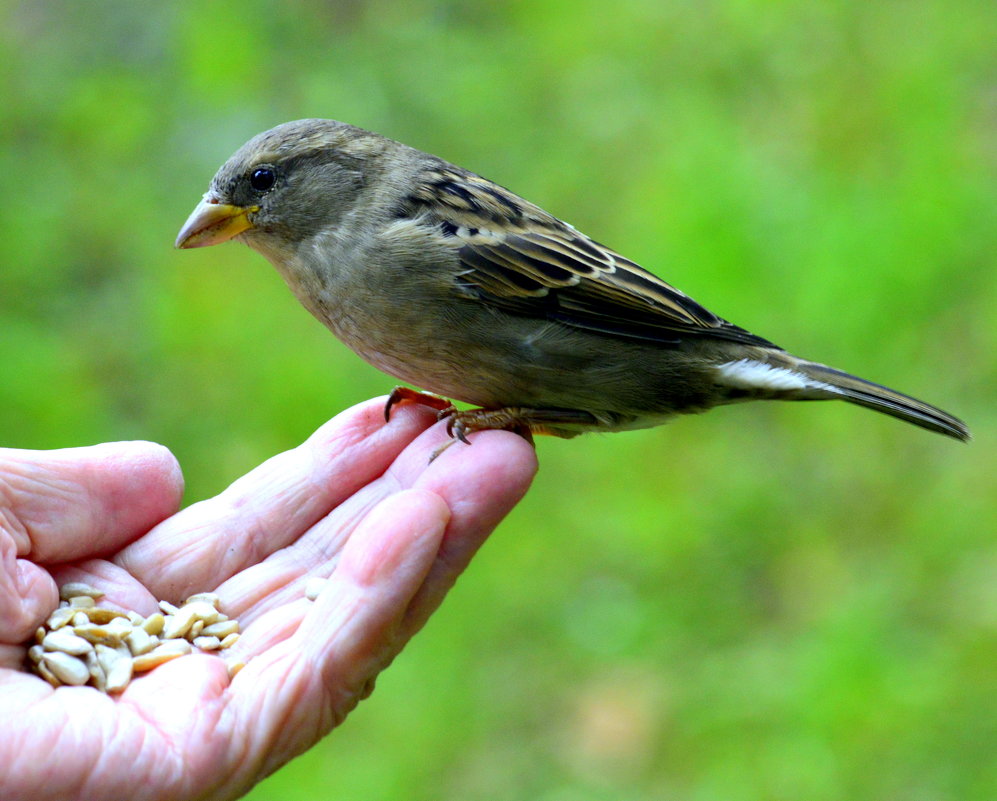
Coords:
358,500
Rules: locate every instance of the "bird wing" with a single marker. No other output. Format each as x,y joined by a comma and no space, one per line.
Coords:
521,259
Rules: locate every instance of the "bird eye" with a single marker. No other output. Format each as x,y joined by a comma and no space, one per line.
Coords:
262,179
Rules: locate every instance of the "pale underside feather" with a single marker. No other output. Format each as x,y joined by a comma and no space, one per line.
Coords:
755,375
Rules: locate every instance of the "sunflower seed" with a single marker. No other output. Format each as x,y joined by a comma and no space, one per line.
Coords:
161,653
120,675
74,588
60,617
48,675
97,676
106,657
206,597
119,627
179,623
82,643
66,641
104,615
313,586
154,623
221,629
139,641
97,634
202,610
68,669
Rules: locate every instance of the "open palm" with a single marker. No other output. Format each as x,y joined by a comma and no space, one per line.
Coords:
358,502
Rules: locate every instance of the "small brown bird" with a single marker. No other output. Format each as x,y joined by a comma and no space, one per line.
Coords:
452,283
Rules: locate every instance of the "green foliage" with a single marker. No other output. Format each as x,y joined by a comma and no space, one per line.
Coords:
768,602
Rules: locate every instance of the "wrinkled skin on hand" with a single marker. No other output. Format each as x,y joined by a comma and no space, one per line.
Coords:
359,500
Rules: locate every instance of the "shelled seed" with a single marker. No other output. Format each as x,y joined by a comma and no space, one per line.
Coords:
83,643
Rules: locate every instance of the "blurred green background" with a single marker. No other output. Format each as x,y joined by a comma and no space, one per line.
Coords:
776,601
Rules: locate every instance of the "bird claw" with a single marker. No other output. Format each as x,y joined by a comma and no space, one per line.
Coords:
456,427
463,422
445,410
405,394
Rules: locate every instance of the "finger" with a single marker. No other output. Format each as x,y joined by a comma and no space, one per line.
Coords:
348,634
280,578
66,504
11,658
274,504
27,595
278,610
480,484
381,569
77,502
37,595
121,590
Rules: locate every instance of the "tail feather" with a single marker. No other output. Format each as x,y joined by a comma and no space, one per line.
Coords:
888,401
779,375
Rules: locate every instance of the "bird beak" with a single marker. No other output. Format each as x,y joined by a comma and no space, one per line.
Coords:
212,222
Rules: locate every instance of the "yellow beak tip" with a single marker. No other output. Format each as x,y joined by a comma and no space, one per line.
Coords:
212,223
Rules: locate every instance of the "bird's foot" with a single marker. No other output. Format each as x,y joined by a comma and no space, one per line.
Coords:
520,420
460,423
407,395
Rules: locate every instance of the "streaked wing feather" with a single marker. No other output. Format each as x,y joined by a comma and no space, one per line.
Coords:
519,258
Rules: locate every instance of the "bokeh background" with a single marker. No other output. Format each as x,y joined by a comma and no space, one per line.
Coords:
783,601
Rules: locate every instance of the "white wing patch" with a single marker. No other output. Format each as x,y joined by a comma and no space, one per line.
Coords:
753,374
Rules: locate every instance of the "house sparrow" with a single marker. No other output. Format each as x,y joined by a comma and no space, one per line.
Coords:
452,283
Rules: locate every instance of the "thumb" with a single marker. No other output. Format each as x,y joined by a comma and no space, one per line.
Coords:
74,503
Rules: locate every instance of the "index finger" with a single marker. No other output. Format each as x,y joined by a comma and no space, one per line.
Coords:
272,505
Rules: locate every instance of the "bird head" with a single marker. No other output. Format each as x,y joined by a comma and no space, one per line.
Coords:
284,185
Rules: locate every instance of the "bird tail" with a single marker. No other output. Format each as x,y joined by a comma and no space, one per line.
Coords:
783,376
888,401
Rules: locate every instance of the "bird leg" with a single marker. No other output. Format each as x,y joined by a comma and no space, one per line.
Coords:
404,394
520,420
461,423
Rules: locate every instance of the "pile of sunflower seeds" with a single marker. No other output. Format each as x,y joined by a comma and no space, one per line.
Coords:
82,643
